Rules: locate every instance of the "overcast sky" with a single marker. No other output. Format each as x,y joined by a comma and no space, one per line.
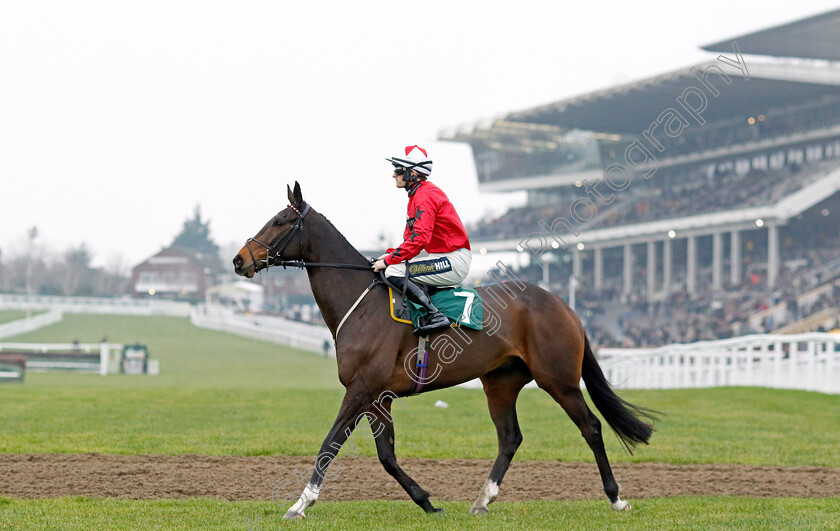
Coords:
118,118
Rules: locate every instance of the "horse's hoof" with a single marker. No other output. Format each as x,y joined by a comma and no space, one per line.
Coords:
435,510
478,510
291,515
620,505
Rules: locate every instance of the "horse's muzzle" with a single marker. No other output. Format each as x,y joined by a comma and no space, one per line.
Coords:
240,269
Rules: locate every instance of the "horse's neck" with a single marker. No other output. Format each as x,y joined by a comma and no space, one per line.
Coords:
335,290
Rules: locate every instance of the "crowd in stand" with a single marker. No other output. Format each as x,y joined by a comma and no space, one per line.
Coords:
614,319
785,123
682,319
709,194
693,191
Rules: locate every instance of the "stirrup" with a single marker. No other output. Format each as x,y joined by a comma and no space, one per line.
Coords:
434,322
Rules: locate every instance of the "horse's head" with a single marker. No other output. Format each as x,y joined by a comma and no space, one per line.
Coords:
279,239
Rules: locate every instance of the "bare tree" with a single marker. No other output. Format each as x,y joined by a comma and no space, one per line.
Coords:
23,265
27,266
73,274
113,278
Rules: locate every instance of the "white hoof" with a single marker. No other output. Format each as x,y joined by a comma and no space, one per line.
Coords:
292,515
620,505
488,495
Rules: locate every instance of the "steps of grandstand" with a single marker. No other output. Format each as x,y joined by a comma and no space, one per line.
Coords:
824,320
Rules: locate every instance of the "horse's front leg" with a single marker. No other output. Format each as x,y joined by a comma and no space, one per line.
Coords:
383,430
355,403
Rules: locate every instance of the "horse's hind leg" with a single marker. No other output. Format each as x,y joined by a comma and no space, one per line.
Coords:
383,429
502,390
571,399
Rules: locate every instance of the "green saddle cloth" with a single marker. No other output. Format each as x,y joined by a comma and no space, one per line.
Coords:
463,306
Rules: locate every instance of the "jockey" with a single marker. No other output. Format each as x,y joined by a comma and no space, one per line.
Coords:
433,226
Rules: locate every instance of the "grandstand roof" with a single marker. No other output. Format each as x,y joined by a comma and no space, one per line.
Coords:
630,108
811,38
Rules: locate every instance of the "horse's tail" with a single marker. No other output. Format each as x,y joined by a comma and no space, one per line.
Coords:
622,416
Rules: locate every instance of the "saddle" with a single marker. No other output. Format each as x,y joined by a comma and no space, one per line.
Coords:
462,306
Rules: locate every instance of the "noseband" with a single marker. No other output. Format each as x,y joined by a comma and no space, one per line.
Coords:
284,239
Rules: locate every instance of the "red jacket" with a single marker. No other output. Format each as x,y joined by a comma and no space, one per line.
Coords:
432,224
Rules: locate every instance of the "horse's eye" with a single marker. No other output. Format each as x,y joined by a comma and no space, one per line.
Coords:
278,222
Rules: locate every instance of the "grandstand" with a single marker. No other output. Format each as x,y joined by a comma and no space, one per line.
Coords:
707,194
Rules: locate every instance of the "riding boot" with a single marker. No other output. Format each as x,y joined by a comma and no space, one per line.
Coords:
434,320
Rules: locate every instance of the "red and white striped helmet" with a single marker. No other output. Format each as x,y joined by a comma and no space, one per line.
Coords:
416,158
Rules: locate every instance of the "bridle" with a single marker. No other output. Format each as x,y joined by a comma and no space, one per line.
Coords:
285,239
271,255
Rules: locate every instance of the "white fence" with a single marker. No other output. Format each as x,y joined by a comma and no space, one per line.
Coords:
303,336
802,361
109,356
22,326
99,305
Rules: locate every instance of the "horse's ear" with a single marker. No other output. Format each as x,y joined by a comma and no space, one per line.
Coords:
297,194
291,196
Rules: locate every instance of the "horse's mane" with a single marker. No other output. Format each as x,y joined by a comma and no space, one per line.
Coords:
330,223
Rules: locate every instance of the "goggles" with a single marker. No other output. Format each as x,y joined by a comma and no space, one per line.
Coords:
399,170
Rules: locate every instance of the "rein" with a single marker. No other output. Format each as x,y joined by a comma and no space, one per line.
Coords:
300,264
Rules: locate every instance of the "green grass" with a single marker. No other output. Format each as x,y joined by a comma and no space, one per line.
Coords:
7,316
219,394
709,513
222,394
191,358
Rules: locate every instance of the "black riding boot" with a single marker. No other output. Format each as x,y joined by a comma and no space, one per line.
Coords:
434,320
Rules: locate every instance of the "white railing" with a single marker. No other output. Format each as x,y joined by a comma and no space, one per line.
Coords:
23,326
801,361
303,336
99,305
109,356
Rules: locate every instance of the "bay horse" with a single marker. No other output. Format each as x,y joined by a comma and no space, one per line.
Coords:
532,335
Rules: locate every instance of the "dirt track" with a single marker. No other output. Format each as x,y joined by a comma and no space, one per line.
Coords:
255,478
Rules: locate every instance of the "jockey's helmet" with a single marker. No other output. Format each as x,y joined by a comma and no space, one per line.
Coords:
416,159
